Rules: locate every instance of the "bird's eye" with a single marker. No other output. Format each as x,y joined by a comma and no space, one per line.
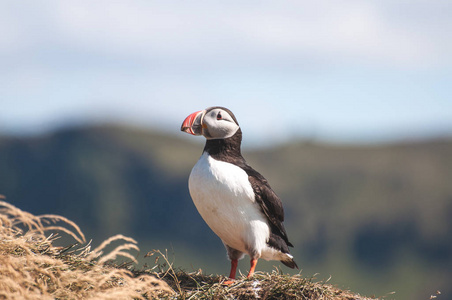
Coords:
219,117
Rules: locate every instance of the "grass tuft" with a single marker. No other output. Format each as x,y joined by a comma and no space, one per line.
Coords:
32,268
262,285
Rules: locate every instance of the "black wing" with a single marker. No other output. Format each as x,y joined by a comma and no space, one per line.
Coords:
272,208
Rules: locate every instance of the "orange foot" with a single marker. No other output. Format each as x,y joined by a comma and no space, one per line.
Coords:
253,264
228,282
234,263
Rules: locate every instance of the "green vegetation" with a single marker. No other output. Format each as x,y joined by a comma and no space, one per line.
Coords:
377,219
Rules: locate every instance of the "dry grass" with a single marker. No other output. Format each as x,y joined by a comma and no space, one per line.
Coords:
268,286
32,268
261,286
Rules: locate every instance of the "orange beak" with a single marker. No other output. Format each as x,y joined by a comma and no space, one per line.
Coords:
193,123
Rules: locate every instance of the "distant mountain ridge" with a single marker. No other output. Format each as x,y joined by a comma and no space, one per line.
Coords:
385,210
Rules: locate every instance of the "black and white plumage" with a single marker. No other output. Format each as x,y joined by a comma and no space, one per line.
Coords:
235,201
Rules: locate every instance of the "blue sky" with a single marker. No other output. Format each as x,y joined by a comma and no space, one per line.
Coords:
356,71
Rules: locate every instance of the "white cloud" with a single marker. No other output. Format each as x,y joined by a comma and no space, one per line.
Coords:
389,32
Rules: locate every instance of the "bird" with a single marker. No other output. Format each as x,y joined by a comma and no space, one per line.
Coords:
235,200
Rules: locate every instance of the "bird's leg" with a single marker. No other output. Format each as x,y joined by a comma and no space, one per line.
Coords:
234,263
253,266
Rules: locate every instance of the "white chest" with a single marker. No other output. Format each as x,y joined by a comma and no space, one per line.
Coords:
225,199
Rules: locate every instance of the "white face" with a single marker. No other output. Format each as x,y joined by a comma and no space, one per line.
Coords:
218,124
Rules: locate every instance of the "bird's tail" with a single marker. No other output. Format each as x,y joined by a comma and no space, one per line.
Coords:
287,259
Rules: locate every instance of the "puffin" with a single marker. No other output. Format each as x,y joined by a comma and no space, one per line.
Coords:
235,201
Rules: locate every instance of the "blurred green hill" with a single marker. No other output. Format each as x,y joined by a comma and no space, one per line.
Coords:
376,218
